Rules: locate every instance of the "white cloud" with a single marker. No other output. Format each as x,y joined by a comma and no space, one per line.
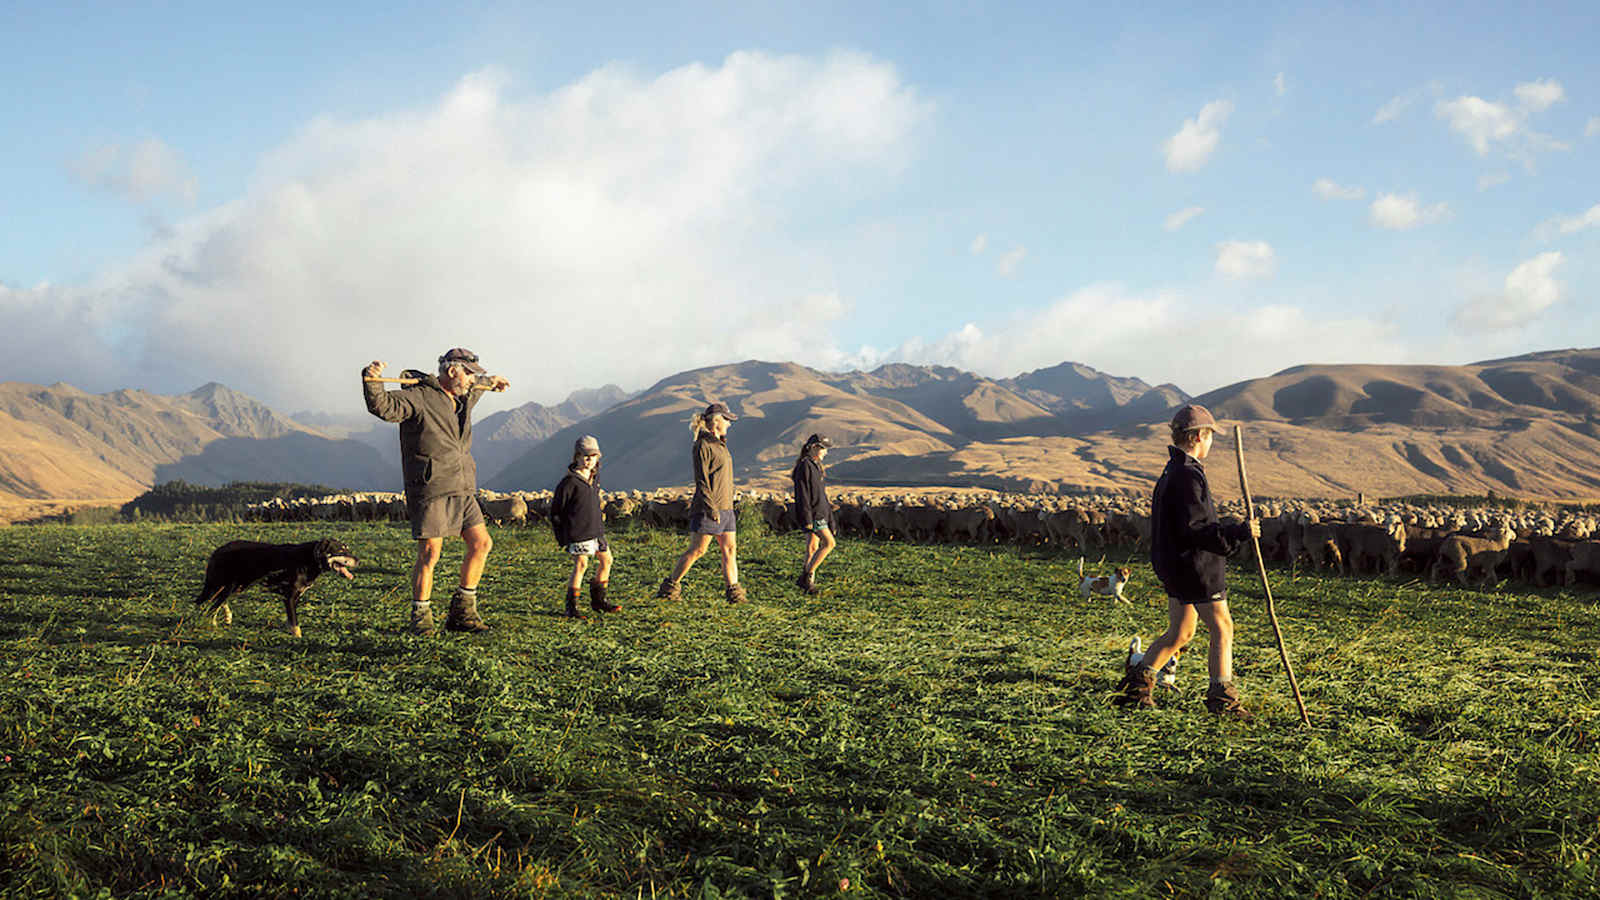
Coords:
1589,218
1182,217
1151,335
1007,266
1538,96
1593,128
1492,179
1245,259
1328,189
1391,110
645,207
1280,84
141,172
1191,147
979,244
1528,292
1487,125
1402,212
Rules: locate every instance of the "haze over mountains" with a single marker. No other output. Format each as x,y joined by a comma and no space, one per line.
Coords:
1528,425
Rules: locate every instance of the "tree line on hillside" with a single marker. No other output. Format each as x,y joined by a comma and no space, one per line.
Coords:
180,501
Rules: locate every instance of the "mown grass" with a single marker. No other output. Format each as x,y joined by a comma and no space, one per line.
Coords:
935,724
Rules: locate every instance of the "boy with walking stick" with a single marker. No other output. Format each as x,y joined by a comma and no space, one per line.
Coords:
1189,546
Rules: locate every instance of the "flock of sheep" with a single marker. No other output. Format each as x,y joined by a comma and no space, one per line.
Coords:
1535,545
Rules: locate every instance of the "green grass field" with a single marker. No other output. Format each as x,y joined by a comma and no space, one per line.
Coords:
935,724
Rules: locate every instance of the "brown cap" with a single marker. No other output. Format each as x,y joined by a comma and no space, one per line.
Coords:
586,444
718,409
1193,416
817,440
461,356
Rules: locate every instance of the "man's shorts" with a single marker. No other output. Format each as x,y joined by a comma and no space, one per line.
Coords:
722,523
589,547
1201,601
440,517
818,525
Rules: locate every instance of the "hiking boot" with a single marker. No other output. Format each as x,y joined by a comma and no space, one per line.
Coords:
463,615
1223,700
597,599
421,619
572,604
807,583
1136,687
669,590
736,593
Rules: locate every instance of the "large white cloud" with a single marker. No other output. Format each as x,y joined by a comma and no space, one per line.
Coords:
1527,293
618,228
1402,212
1191,147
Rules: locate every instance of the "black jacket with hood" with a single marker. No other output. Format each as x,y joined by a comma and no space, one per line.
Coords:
435,435
1188,544
575,511
810,492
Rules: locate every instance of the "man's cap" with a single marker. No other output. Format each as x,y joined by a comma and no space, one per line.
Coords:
586,444
719,409
1193,416
817,440
461,356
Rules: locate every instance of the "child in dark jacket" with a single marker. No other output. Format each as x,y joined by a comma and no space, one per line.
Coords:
811,509
580,526
1188,549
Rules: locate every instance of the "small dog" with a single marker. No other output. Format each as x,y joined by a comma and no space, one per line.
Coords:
284,569
1167,677
1105,585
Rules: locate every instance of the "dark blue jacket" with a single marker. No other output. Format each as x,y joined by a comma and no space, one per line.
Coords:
1188,545
810,493
575,511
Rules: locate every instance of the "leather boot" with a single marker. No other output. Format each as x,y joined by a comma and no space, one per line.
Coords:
463,614
597,599
421,619
736,593
669,590
1137,687
1223,700
573,612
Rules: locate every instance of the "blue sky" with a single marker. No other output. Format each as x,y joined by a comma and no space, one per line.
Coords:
272,198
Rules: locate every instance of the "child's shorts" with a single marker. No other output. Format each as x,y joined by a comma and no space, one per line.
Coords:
589,547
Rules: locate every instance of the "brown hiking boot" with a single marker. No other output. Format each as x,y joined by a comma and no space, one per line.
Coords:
597,599
463,615
1137,687
807,583
421,620
1223,700
736,593
669,590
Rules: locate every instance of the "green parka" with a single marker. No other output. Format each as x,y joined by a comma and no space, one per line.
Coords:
435,435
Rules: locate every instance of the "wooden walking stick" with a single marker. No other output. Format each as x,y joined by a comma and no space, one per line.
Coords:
1261,569
373,379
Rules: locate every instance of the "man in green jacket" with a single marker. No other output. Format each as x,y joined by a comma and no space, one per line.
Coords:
441,480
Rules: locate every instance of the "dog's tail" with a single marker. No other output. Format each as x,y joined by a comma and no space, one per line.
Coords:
1135,654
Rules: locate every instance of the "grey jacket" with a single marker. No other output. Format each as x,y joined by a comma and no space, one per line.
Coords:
435,442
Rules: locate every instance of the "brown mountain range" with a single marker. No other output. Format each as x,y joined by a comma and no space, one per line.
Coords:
1527,426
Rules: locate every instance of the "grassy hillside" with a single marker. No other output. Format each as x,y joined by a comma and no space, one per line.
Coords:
934,725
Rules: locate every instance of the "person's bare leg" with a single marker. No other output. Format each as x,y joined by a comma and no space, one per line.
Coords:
1181,618
825,544
603,573
728,543
579,565
1219,627
478,546
428,550
697,548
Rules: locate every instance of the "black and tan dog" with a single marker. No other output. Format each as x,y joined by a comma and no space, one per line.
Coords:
284,569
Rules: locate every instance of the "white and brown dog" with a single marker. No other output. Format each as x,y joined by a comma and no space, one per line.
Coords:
1167,677
1104,585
